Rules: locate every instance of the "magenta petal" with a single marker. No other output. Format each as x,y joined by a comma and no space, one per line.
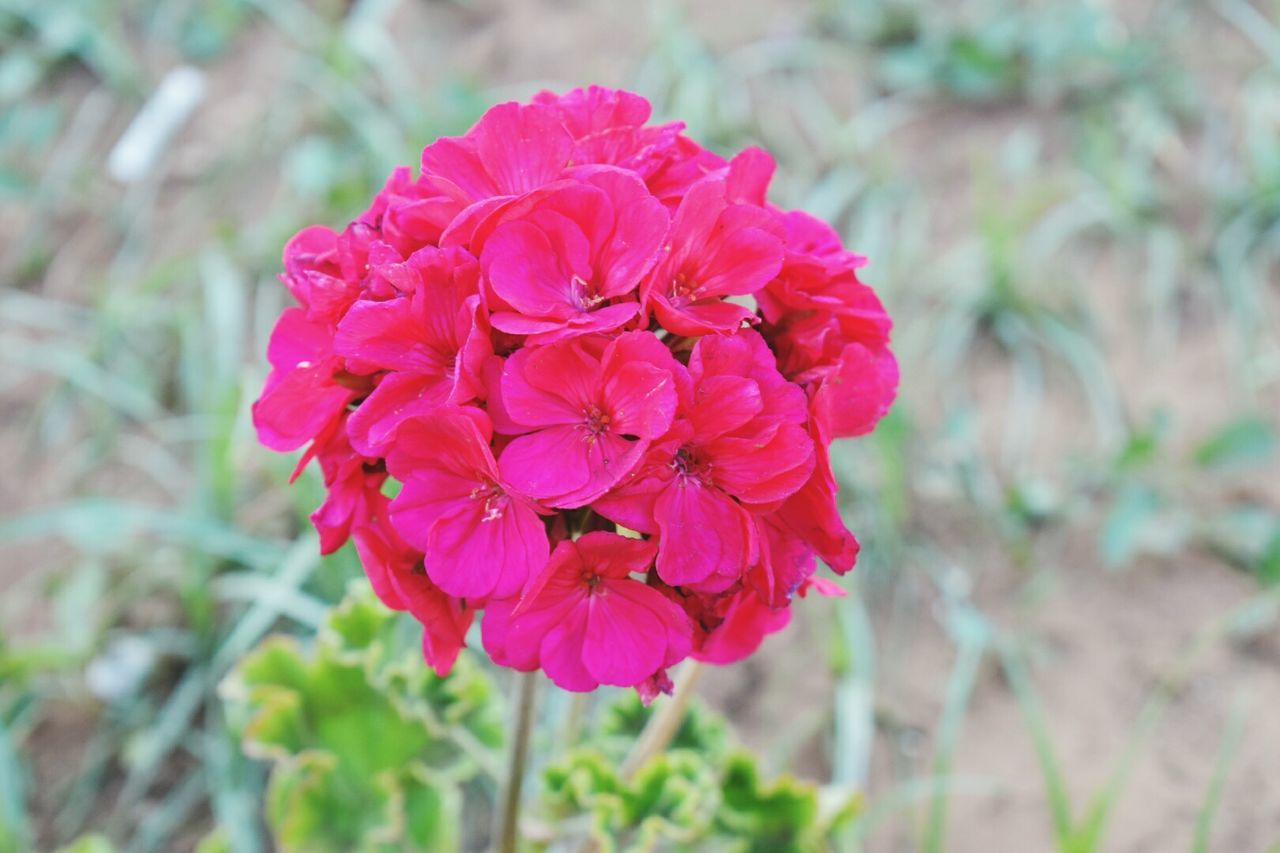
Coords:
701,318
642,399
624,639
610,458
703,532
614,556
444,621
601,321
515,640
745,627
549,385
744,261
389,335
548,463
853,397
379,557
522,147
724,403
561,653
397,397
518,324
473,552
759,471
455,160
632,503
296,407
524,269
425,497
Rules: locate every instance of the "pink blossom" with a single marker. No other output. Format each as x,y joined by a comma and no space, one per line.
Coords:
570,260
718,248
432,338
480,538
829,329
354,485
586,621
307,390
740,444
608,127
588,409
396,574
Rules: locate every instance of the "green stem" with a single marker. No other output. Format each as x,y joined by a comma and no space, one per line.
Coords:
665,722
507,823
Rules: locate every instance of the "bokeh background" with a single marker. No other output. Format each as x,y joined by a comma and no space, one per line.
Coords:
1063,630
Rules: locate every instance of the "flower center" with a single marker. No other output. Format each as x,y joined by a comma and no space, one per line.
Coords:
597,420
591,580
495,499
683,289
689,466
585,293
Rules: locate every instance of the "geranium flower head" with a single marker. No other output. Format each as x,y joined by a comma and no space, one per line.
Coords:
578,378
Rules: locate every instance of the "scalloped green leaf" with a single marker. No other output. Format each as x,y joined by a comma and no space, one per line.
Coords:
783,816
701,731
368,745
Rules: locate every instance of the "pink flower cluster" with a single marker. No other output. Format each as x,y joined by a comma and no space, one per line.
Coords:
580,374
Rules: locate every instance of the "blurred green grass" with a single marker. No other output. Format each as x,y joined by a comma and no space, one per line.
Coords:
1069,207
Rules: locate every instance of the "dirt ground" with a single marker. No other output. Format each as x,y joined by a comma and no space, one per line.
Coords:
1106,640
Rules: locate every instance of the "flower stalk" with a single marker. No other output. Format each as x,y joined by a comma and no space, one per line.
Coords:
666,720
507,823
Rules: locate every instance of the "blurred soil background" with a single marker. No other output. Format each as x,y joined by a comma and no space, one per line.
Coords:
1063,633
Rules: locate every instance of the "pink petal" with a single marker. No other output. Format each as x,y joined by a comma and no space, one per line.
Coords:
759,470
723,404
525,269
518,324
614,556
471,553
812,515
566,466
455,159
621,646
852,398
785,563
522,146
749,175
600,321
641,399
426,497
553,461
743,261
398,396
745,626
298,405
515,640
550,385
702,532
381,559
453,440
701,318
561,653
630,247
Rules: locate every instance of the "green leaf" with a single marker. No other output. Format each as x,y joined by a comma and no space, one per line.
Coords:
699,796
368,744
1245,441
701,730
777,817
